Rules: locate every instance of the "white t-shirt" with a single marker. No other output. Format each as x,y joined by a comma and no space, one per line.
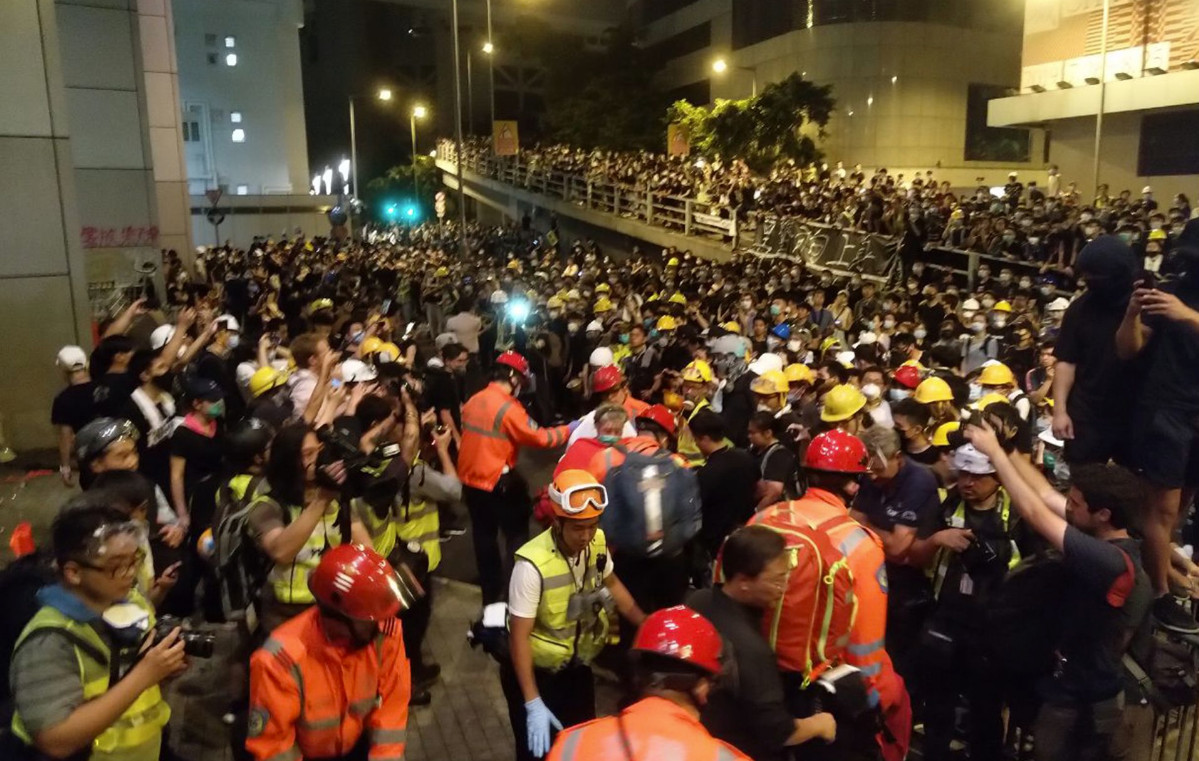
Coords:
587,430
524,589
467,326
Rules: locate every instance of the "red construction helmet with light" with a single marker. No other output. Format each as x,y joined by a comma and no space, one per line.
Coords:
683,635
662,417
606,379
836,451
357,583
515,361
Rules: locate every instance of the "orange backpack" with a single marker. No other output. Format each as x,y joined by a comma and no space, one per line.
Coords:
809,628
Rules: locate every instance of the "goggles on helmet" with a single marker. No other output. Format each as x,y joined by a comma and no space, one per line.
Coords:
576,499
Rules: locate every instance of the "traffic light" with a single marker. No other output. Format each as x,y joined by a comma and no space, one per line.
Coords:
390,211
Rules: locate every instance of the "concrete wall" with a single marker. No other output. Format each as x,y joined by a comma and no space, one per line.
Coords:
264,87
272,216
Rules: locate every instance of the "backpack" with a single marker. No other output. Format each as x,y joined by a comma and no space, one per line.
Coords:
809,628
653,505
792,488
240,567
1164,669
20,581
1023,618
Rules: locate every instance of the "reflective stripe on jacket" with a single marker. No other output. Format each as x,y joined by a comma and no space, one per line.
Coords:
557,640
290,582
311,699
654,728
687,446
140,724
494,426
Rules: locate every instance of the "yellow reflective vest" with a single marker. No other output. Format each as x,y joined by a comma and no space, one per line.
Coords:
290,582
687,446
142,722
557,640
958,520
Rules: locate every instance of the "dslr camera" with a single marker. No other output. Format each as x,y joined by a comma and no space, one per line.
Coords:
341,446
195,644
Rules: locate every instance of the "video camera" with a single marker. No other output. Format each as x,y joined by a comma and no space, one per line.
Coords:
341,446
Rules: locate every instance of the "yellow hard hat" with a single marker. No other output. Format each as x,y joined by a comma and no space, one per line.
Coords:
603,304
988,399
829,343
678,298
698,371
674,262
1002,306
941,435
732,326
442,272
933,390
666,322
266,379
554,302
672,400
841,403
1157,235
371,345
603,288
320,304
513,264
997,374
798,373
769,383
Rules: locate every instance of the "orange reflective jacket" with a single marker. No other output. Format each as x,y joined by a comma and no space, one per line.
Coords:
634,406
864,551
655,728
494,426
311,699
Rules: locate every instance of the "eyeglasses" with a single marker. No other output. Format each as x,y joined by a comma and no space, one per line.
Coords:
119,569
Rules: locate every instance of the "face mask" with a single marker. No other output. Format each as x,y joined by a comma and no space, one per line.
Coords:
888,324
624,338
976,392
1026,283
872,391
793,397
1000,321
984,273
920,334
654,334
1086,217
555,314
539,343
899,394
355,337
234,340
608,439
217,409
1033,240
795,346
988,303
978,327
1005,278
775,310
573,327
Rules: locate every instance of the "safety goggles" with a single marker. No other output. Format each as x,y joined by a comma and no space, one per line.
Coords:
96,555
576,499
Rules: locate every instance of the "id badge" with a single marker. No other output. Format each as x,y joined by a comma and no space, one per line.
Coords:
966,584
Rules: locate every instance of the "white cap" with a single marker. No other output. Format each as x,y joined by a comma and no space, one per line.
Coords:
1147,189
971,304
229,322
161,336
72,358
1048,437
846,358
766,363
601,357
866,338
967,459
357,371
445,339
728,344
595,326
499,297
990,362
1058,305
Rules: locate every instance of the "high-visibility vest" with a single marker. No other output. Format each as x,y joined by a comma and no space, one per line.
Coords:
142,721
687,446
290,582
382,529
556,640
957,519
419,522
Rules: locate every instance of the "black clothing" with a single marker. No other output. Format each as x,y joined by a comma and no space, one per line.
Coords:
1103,383
726,492
749,713
202,455
111,391
442,392
74,406
569,694
506,508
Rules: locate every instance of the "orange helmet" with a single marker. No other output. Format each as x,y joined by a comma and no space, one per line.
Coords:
577,495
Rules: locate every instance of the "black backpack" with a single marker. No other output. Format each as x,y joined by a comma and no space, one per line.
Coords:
19,585
239,566
1024,624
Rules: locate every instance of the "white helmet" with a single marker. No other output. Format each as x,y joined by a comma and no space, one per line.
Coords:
1057,305
161,336
357,371
499,297
971,305
601,357
228,322
967,459
595,326
766,363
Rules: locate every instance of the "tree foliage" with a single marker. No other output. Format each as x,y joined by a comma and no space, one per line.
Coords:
396,186
763,131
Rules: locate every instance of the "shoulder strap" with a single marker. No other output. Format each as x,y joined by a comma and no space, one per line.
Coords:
766,458
75,639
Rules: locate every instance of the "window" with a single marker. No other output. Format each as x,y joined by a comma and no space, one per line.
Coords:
212,59
1168,144
689,41
239,135
191,132
231,59
243,190
983,143
210,40
235,117
230,42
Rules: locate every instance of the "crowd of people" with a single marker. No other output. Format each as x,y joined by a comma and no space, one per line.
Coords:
273,454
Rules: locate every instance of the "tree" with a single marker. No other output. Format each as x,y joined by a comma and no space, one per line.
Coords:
762,131
396,188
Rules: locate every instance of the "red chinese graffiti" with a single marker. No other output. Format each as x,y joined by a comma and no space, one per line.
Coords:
125,237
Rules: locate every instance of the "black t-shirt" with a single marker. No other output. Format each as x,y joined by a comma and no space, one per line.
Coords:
111,392
153,447
778,463
928,457
910,499
1103,383
74,406
726,491
441,391
203,458
1172,355
1103,609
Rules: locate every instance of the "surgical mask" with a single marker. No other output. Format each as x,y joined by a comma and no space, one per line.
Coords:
976,392
988,303
794,397
1025,283
872,391
555,314
234,340
888,324
1005,277
775,310
795,345
624,338
984,273
573,327
217,409
999,321
356,337
608,439
899,394
1046,290
978,327
920,334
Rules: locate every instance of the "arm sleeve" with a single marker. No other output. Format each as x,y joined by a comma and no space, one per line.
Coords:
524,590
274,708
435,486
760,689
1100,565
388,724
520,429
45,682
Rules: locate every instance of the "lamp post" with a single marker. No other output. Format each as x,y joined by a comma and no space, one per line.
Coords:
489,51
1107,8
384,94
458,124
720,66
418,112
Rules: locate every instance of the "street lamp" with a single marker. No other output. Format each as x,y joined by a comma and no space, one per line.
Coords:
418,112
720,66
383,94
458,123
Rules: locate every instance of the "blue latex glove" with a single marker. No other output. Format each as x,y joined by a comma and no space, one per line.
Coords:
539,720
574,424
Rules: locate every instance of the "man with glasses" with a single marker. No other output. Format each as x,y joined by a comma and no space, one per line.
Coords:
83,687
561,597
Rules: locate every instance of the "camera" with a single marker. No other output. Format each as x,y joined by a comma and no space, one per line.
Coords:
341,446
195,644
979,555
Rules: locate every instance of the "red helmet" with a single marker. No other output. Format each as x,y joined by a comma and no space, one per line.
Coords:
357,583
682,634
606,379
908,376
836,451
515,361
659,414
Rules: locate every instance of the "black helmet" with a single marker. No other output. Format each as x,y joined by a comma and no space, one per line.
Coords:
247,440
98,435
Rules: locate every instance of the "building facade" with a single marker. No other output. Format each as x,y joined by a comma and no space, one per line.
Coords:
1140,69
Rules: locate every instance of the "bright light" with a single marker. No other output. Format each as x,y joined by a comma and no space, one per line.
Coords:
231,59
894,79
243,190
420,112
518,311
235,117
488,48
384,94
230,42
410,211
433,153
316,184
870,101
390,211
850,113
327,176
239,135
720,66
343,168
